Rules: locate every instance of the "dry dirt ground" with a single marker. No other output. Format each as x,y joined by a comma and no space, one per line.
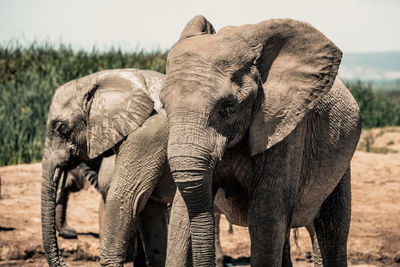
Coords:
374,235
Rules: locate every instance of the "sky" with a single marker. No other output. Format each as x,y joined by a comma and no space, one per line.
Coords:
354,25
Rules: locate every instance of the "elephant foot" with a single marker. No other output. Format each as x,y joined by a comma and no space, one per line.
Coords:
68,232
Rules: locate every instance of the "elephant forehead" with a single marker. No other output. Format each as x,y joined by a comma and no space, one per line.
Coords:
64,100
201,87
203,48
216,65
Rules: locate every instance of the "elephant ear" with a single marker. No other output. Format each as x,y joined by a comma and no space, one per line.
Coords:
117,105
297,66
197,26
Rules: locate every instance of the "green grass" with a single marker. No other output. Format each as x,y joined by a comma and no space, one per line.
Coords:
378,108
29,76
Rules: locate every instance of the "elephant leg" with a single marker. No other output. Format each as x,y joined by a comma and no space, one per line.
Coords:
333,222
286,259
267,234
138,169
153,229
272,198
62,227
219,255
133,248
270,213
61,211
119,224
317,257
122,209
179,253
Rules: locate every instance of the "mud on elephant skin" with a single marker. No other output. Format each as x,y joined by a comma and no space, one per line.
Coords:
259,106
88,117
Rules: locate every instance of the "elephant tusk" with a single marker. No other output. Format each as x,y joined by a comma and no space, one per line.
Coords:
56,175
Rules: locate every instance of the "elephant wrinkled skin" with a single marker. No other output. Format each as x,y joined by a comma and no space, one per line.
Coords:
89,117
259,122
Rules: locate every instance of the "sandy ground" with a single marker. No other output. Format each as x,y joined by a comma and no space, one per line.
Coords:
374,235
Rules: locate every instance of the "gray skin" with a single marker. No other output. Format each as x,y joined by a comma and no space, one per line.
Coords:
258,122
134,250
89,117
139,192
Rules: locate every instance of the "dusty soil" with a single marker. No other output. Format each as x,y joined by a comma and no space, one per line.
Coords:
374,235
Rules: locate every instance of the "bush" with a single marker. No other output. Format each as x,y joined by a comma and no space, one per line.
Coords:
378,108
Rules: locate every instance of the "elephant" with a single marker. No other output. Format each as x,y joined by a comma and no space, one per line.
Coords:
75,182
260,125
89,117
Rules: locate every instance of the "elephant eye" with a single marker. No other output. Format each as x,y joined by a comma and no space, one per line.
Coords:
72,150
226,110
62,128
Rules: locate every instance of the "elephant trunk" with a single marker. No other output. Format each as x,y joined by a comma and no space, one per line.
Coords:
193,150
51,174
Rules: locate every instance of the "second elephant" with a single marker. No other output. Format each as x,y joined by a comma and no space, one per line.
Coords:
88,117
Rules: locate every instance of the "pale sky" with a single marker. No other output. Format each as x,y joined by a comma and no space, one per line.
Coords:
354,25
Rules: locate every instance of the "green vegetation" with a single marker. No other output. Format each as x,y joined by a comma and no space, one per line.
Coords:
29,76
378,108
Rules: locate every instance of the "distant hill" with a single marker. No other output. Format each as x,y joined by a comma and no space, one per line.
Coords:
382,68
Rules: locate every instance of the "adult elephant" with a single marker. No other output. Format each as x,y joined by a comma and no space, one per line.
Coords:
259,120
89,117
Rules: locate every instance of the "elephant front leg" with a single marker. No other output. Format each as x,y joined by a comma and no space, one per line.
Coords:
119,225
268,230
61,211
272,196
74,183
128,195
333,222
153,229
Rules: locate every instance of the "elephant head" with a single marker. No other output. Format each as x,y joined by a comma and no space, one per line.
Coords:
87,118
250,85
